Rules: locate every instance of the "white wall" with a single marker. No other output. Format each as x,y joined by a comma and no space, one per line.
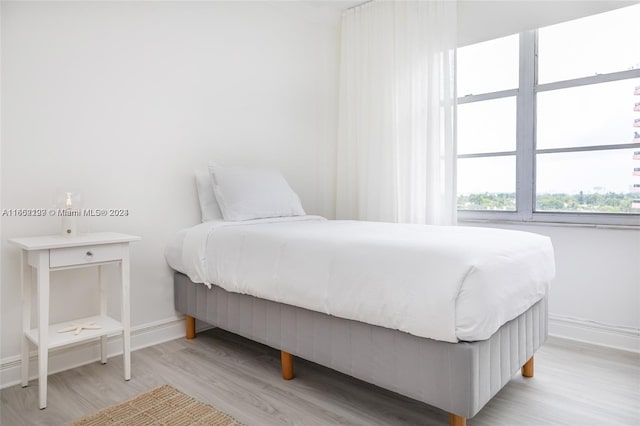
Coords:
123,100
596,294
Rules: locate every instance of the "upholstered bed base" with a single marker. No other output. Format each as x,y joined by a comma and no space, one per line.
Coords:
459,378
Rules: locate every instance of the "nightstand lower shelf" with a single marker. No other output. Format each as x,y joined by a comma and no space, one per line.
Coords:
108,326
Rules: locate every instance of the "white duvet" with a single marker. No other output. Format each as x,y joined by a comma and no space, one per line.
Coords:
444,283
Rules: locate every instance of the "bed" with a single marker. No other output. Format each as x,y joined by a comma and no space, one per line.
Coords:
444,315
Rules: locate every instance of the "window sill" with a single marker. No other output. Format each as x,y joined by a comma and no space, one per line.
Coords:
603,221
541,223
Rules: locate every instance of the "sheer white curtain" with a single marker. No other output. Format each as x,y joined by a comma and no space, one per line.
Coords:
396,140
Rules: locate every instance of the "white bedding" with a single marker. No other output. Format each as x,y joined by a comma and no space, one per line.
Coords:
444,283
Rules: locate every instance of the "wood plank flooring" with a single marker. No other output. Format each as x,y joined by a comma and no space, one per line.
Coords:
575,384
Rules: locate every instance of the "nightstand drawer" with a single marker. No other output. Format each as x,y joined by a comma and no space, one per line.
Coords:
71,256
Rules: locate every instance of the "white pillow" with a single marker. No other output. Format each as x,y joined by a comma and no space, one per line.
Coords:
208,204
244,193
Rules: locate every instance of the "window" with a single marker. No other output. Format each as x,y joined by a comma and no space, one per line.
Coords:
487,125
549,123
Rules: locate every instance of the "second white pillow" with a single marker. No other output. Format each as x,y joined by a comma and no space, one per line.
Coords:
207,197
245,193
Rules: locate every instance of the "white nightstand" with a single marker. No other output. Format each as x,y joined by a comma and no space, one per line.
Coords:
54,253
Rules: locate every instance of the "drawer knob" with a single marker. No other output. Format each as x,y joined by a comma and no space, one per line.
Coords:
89,253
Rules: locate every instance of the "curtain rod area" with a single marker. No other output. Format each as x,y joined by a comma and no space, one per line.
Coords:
358,5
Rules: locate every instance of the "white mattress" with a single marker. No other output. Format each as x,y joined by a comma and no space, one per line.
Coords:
443,283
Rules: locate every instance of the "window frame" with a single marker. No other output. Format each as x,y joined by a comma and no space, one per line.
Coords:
526,151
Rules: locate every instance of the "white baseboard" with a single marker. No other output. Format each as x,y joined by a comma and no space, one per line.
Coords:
74,356
145,335
586,331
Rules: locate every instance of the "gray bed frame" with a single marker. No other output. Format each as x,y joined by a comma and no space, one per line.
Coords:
459,378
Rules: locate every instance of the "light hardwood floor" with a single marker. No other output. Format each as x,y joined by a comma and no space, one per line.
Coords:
575,384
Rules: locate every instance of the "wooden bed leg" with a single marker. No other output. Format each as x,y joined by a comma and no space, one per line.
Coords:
457,420
191,326
287,365
527,369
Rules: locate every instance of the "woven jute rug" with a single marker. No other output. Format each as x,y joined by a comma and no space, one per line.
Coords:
162,406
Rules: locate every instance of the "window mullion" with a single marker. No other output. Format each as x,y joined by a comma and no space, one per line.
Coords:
525,125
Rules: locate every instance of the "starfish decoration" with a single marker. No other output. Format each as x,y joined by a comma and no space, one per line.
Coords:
77,328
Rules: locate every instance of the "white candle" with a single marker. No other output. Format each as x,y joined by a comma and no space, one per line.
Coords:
69,219
69,225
